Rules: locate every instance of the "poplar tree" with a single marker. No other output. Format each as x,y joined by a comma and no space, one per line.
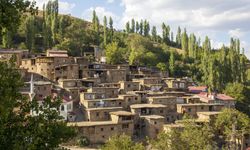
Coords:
141,27
30,33
111,28
105,30
146,28
184,42
127,27
154,33
172,37
94,20
172,64
137,26
54,21
205,60
6,38
178,37
133,26
192,46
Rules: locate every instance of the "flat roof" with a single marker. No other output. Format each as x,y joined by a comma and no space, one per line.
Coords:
174,125
105,99
127,95
153,117
122,113
200,104
209,113
91,123
162,97
104,108
148,106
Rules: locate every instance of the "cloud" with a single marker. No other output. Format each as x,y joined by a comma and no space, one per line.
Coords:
218,19
64,7
100,12
110,1
236,33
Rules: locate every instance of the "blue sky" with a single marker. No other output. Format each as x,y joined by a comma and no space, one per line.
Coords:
219,19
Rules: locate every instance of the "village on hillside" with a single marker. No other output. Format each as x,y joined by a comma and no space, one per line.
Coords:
103,100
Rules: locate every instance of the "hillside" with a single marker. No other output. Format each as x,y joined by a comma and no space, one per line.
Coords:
137,44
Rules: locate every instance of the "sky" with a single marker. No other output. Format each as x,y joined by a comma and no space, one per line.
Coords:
218,19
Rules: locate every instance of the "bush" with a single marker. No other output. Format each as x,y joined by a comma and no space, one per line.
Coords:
83,141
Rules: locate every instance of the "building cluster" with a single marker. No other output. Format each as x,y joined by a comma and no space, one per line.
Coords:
102,100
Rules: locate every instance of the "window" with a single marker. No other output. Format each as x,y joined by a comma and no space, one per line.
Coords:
128,85
97,114
161,111
155,122
103,136
69,107
101,129
136,98
44,88
189,109
112,128
62,108
125,126
202,107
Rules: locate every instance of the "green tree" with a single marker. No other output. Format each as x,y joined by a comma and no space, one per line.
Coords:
128,27
122,142
137,26
154,33
190,136
133,26
178,37
234,125
111,28
184,42
105,30
114,54
30,33
93,20
22,131
11,12
6,38
141,28
172,64
162,66
241,94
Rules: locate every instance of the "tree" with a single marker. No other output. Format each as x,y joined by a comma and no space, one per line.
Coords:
133,26
111,28
122,142
105,30
241,94
11,12
188,136
178,37
172,64
30,33
6,38
234,125
93,20
54,21
184,42
154,33
141,28
113,53
22,131
128,27
162,66
137,26
146,28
